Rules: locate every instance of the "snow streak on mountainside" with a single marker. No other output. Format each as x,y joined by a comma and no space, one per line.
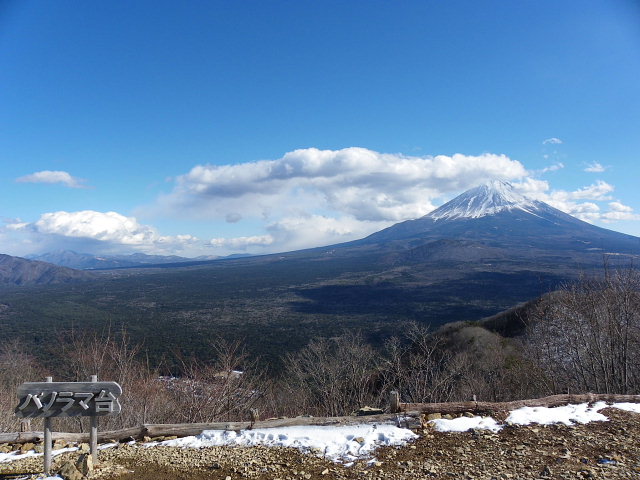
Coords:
496,215
488,199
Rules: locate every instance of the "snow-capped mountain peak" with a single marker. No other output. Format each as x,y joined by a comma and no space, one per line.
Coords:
487,199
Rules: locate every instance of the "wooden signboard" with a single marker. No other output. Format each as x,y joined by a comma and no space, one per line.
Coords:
68,399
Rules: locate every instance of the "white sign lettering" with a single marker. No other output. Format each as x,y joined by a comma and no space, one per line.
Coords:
68,399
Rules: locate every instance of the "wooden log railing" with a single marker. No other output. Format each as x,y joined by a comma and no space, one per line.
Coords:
483,407
407,415
186,429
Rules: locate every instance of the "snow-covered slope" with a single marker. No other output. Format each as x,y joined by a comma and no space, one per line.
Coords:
496,215
488,199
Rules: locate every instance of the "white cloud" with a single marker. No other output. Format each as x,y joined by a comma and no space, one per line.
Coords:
595,167
241,243
609,217
311,197
53,176
552,141
552,168
532,187
596,191
304,231
368,185
539,189
110,229
15,225
619,207
301,231
109,226
579,203
618,211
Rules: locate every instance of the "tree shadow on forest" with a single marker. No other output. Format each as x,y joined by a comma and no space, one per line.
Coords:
478,295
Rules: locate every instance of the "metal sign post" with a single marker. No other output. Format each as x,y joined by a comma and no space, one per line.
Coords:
68,399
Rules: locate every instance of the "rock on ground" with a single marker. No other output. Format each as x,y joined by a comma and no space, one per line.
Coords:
598,450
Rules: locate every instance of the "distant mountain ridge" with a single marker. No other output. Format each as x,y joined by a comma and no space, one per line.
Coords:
87,261
20,271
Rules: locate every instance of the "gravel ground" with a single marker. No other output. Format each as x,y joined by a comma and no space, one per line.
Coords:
601,450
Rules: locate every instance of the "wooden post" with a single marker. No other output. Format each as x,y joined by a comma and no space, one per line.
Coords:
93,434
394,402
255,415
47,439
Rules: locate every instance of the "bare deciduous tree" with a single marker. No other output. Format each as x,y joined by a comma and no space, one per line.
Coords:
332,377
116,358
419,368
586,335
16,366
223,390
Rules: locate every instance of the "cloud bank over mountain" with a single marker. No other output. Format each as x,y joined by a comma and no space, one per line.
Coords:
89,230
308,197
362,183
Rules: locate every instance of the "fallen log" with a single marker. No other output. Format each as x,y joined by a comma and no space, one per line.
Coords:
187,429
35,437
483,407
406,420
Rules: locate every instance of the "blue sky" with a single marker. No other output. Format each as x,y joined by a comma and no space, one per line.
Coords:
210,127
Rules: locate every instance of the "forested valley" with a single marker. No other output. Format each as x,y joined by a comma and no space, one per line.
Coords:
583,337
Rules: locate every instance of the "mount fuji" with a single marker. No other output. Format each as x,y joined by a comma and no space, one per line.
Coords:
495,215
486,250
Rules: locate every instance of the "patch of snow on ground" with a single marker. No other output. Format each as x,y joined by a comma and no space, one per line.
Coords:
629,407
104,446
12,456
567,414
29,477
462,424
340,444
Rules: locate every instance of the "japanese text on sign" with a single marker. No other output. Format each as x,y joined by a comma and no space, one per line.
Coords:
68,399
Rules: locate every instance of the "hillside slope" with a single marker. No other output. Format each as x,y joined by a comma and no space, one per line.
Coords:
20,271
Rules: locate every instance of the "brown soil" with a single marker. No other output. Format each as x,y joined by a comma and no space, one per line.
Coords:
599,450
